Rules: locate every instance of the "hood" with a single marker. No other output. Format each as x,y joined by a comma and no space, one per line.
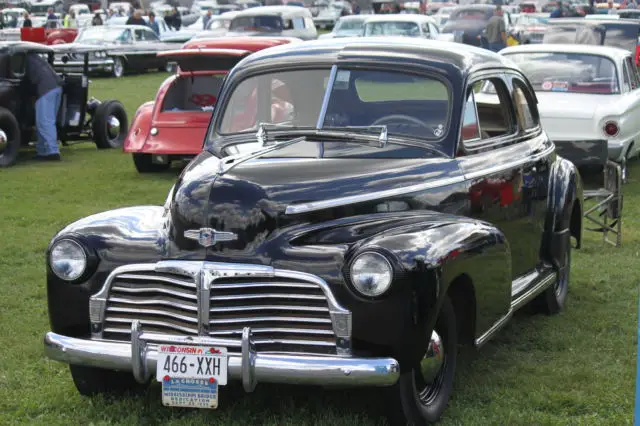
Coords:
252,33
250,199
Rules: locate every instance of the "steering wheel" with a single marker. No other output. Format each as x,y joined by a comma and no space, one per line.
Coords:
396,118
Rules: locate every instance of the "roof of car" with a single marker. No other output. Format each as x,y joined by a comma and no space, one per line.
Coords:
273,10
243,43
608,51
121,27
362,17
593,22
24,46
464,58
401,17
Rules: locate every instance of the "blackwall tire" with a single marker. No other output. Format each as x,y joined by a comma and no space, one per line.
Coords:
10,139
92,381
416,402
108,133
144,164
553,299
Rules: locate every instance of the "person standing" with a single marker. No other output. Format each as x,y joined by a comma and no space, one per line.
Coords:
70,20
136,19
26,23
52,19
557,12
496,31
153,24
611,10
46,85
176,19
97,20
206,18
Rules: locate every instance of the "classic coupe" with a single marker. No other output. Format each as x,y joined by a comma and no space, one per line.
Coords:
585,93
354,241
123,48
173,126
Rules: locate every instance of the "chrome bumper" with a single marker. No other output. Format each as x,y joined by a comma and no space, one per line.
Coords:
140,358
104,65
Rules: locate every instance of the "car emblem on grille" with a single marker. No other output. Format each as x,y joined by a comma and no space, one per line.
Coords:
208,237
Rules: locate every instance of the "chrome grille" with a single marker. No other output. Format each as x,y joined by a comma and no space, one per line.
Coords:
286,311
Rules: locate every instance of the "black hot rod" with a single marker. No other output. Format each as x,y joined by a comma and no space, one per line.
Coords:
354,216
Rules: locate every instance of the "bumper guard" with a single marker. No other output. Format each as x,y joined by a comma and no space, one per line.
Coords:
140,358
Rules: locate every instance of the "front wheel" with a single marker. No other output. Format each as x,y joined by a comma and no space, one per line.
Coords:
9,138
553,299
109,125
92,381
423,392
118,67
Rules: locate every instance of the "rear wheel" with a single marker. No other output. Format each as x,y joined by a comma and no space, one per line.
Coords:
9,138
422,394
144,164
95,381
109,125
553,299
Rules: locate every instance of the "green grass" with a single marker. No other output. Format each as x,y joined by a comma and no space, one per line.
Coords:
574,368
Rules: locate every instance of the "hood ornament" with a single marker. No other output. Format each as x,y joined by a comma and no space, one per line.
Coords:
208,237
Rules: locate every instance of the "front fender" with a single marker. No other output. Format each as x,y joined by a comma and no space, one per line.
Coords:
116,237
140,128
430,255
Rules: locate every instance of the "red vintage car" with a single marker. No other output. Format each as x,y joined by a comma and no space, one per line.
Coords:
48,36
173,126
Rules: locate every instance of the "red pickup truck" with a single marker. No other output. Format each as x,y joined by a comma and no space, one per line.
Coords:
48,35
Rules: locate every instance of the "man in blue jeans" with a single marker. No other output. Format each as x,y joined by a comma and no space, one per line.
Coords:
45,84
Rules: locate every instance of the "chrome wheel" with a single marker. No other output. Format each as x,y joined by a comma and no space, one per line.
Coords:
431,372
118,67
4,142
113,127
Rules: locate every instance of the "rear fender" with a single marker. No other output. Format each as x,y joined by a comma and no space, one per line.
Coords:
140,128
565,201
429,256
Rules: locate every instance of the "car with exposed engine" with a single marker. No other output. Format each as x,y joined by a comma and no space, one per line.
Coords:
117,50
173,126
79,117
585,93
355,214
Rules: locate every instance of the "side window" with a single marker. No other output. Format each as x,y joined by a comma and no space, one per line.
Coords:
298,23
149,35
139,35
434,29
626,79
633,73
524,106
288,25
470,125
493,108
308,23
425,30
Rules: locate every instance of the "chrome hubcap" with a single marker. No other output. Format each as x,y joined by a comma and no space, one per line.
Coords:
117,67
113,127
3,141
433,360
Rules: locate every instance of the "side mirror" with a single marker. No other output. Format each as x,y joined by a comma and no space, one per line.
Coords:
172,67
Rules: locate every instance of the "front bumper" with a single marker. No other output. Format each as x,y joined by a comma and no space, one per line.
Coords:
97,66
140,358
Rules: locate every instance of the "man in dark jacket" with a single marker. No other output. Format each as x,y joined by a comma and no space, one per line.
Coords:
46,85
136,19
26,23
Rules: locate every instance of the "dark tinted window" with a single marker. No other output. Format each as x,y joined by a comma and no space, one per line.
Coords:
256,23
481,14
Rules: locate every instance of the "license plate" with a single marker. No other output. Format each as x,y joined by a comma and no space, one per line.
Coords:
192,362
190,393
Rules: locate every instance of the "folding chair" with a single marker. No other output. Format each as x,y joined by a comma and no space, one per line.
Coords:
607,211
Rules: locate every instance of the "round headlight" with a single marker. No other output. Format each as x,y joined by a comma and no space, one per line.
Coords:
68,260
371,274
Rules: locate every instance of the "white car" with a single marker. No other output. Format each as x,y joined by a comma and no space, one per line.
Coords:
347,26
404,24
327,17
442,15
585,92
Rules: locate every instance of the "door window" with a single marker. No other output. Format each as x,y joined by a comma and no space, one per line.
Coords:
470,125
633,73
493,108
626,79
524,106
139,35
425,30
298,23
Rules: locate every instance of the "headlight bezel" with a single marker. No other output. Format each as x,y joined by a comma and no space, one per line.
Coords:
382,257
90,258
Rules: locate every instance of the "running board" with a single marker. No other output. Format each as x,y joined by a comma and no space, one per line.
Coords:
524,289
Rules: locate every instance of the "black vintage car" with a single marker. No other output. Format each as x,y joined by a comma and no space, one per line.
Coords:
354,216
118,49
467,23
79,117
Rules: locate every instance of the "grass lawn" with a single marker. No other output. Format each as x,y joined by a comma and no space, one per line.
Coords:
574,368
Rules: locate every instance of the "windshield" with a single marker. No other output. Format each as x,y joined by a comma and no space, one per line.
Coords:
573,34
532,20
396,28
409,105
471,14
255,23
568,72
101,35
39,9
351,25
214,24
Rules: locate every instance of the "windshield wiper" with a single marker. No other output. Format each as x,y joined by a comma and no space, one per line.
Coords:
382,137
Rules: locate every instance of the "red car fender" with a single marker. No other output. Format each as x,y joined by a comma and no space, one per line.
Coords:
140,127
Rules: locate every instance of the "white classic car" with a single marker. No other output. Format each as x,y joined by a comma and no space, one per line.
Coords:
347,26
404,24
585,92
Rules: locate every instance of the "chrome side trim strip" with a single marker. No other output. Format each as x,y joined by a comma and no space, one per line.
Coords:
353,199
494,329
501,167
533,291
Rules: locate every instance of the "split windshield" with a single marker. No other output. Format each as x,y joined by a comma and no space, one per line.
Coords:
254,23
410,106
568,72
